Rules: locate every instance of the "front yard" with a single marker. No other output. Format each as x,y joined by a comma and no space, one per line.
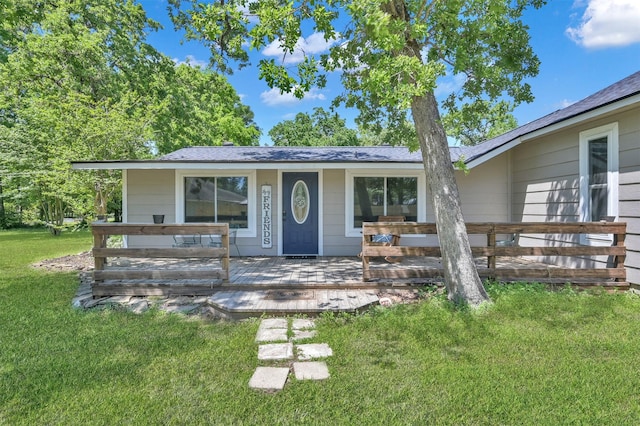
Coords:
534,357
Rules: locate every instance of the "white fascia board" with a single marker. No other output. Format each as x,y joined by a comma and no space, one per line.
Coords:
162,165
492,154
115,165
586,116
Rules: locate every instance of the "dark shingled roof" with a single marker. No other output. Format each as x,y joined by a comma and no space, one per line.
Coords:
618,91
272,154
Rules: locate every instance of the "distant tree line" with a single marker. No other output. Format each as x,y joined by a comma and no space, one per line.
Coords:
466,126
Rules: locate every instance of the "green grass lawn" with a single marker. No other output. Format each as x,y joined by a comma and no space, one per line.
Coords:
534,357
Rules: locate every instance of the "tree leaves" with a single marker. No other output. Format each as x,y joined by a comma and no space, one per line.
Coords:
322,128
480,121
201,108
78,81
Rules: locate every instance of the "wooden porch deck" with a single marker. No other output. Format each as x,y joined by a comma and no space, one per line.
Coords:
259,272
280,285
248,273
254,273
285,272
260,285
256,285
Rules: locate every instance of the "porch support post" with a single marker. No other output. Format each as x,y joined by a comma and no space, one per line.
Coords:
618,241
491,258
99,241
365,258
225,259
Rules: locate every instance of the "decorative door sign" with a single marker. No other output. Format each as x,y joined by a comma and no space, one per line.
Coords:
267,240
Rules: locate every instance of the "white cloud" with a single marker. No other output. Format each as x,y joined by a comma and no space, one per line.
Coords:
311,45
244,8
565,103
191,61
608,23
273,97
449,84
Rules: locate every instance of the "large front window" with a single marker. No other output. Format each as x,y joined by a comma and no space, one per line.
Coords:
384,196
216,199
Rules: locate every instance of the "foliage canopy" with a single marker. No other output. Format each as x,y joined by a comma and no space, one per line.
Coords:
78,81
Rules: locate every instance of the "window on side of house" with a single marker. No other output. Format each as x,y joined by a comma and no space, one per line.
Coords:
384,196
597,158
599,177
217,199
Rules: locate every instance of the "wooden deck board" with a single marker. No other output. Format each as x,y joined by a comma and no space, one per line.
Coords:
336,282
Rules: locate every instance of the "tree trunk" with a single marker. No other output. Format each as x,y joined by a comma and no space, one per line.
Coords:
100,200
460,273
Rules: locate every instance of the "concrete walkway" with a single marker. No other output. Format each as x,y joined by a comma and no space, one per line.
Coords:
280,349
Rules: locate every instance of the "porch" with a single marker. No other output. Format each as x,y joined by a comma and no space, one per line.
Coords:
251,286
261,285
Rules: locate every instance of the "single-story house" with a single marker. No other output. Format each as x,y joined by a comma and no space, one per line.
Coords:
580,163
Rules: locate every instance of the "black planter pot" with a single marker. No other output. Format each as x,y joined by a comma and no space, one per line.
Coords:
158,218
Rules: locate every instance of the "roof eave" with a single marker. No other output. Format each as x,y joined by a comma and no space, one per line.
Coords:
552,128
203,165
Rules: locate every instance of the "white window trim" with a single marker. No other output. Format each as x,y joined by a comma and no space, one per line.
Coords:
350,230
250,231
610,131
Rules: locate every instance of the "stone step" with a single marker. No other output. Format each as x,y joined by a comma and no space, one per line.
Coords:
277,329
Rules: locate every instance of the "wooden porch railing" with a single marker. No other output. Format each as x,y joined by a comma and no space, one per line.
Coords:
491,250
101,232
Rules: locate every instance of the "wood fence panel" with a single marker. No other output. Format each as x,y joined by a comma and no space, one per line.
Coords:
492,250
175,277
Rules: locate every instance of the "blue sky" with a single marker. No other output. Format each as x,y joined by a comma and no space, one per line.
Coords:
583,45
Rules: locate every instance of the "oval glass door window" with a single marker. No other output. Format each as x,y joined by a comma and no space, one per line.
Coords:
300,202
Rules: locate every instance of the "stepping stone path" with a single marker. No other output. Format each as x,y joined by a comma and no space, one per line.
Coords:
277,346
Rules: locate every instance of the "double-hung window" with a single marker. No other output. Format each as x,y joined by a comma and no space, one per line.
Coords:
599,177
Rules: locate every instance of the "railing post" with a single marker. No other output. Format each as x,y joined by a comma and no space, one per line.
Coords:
99,241
225,259
618,241
365,258
491,244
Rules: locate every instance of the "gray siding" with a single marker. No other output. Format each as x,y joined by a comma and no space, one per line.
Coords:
484,192
629,191
150,192
335,243
546,185
545,180
252,246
